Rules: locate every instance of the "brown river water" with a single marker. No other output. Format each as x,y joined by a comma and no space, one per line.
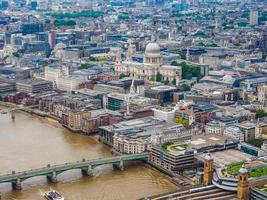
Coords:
33,142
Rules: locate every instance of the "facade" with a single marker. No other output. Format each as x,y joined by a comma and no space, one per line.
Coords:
151,66
253,17
164,93
248,129
213,127
7,87
262,94
34,86
129,145
186,157
62,80
234,133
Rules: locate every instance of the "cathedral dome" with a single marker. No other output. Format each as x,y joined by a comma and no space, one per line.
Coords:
60,46
152,49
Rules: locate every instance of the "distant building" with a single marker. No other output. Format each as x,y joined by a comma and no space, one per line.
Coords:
164,93
34,86
62,79
7,87
262,94
253,17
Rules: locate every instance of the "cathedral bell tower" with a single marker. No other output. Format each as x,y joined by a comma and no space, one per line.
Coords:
208,169
243,188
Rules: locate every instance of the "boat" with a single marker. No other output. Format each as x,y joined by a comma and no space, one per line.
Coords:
53,195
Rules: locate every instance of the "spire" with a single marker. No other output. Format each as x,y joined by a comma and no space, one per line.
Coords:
187,54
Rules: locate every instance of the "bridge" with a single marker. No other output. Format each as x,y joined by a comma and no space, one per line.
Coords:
86,167
7,110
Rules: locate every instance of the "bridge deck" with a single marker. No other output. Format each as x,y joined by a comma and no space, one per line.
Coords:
68,166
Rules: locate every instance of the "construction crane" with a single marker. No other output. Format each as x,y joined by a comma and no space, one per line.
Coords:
128,98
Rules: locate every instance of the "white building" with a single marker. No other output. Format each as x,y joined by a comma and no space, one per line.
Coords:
151,66
234,132
262,94
129,145
264,146
213,127
164,114
62,80
253,17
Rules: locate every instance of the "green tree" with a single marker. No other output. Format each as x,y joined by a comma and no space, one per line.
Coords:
174,81
122,75
93,59
166,82
261,113
85,66
180,120
257,142
152,78
158,77
188,71
185,87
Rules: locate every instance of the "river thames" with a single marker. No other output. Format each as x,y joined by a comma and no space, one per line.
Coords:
33,142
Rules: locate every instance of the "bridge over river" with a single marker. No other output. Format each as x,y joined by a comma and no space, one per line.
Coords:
86,167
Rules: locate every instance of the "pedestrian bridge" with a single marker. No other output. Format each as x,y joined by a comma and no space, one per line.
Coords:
86,167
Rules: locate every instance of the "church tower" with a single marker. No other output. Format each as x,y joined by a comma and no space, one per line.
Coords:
208,169
243,189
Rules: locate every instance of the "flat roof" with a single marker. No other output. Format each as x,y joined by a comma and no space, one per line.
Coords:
163,88
227,157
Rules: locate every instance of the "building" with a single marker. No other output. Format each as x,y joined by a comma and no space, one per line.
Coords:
164,113
164,93
88,122
34,86
208,169
201,113
151,68
264,146
7,87
234,133
218,125
179,155
248,129
61,78
253,17
243,186
262,94
75,118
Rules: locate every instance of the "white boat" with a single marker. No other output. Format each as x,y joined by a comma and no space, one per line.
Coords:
53,195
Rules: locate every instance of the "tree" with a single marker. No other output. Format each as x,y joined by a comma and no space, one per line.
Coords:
122,75
186,87
180,120
188,70
166,82
158,77
93,59
85,66
174,81
261,113
257,142
152,78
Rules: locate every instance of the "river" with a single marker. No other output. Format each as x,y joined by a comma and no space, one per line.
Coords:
33,142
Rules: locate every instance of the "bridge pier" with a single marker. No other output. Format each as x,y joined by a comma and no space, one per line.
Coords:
13,115
53,177
17,184
88,171
121,166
